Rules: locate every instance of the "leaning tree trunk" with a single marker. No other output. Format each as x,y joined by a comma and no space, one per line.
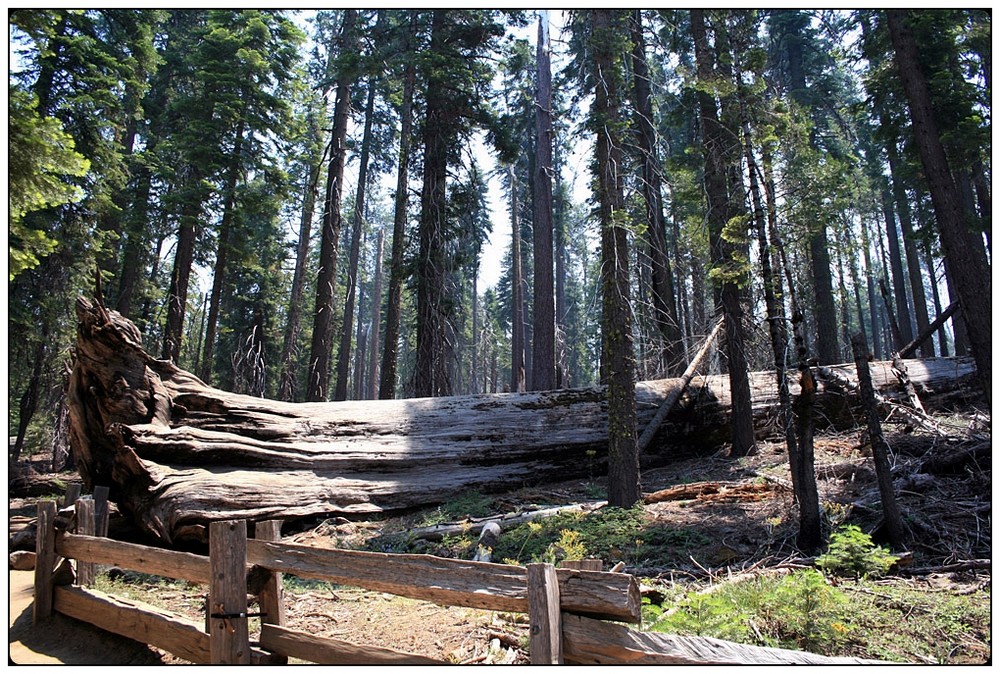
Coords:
178,454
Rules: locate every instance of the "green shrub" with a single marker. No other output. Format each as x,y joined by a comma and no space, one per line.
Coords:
852,552
800,611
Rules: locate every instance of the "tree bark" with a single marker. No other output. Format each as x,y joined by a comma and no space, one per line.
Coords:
543,362
371,392
222,254
321,348
517,373
178,453
661,277
430,376
969,266
390,352
617,355
892,519
180,276
720,209
286,387
347,327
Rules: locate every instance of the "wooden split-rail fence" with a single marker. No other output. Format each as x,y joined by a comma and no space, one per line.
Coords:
575,614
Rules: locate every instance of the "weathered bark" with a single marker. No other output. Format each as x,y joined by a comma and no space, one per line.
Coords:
963,249
517,372
892,519
393,311
661,275
543,344
347,327
617,353
321,348
178,453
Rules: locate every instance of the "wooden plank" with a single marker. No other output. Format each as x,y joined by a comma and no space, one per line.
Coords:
544,616
135,620
155,561
45,560
591,642
227,593
451,582
327,651
85,526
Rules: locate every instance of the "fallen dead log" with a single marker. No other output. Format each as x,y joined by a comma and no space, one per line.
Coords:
728,492
178,453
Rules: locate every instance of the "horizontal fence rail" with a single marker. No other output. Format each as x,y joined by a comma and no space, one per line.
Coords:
567,607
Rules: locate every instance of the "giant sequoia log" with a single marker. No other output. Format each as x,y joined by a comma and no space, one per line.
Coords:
178,453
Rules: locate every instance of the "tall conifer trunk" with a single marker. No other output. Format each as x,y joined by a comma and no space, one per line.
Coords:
431,377
661,275
344,357
322,337
543,343
967,257
720,210
390,351
617,356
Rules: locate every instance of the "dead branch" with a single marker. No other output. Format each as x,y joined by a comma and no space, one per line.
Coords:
671,400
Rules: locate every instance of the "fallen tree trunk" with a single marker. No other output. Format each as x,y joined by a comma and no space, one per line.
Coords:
178,453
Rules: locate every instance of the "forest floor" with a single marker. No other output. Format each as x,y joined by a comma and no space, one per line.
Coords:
683,545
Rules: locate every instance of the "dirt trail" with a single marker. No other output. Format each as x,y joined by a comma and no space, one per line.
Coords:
62,640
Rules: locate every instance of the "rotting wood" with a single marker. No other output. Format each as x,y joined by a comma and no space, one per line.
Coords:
488,539
179,454
711,491
325,650
592,642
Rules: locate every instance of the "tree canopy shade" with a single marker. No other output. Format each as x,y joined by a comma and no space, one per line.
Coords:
565,198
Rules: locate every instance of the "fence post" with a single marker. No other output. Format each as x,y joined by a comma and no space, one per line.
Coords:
544,615
271,595
85,527
101,511
229,636
45,560
73,491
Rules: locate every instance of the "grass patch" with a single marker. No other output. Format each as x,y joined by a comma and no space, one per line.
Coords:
887,620
609,534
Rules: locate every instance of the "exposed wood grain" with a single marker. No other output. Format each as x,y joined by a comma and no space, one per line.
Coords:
180,454
45,560
227,596
85,526
544,615
166,563
496,587
592,642
328,651
136,620
271,597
